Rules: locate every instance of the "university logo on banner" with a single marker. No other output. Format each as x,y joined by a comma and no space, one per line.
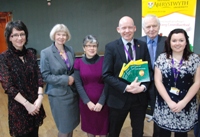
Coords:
172,14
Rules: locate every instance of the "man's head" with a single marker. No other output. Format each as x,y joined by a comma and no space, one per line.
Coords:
126,28
151,26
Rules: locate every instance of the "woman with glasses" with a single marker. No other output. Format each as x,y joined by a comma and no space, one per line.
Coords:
22,81
90,86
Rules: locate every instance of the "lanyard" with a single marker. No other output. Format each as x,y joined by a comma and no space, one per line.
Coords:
129,56
65,60
176,71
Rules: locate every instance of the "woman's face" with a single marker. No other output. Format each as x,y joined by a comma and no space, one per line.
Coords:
178,42
60,38
18,38
90,49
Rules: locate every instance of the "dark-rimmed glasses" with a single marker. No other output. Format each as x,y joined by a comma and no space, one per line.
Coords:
22,35
91,46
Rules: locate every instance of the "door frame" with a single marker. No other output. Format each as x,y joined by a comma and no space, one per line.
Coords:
4,18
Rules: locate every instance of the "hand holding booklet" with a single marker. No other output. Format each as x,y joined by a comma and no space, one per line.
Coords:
135,69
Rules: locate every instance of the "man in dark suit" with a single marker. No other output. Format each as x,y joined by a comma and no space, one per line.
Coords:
156,43
124,97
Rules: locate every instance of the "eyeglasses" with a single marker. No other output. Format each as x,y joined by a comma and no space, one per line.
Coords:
22,35
91,46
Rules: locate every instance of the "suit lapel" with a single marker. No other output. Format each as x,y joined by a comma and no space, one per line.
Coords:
137,49
159,47
144,39
57,56
70,56
120,48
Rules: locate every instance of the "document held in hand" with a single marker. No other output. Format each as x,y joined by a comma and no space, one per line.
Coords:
135,69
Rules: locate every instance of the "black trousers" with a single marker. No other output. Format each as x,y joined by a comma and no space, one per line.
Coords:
118,116
152,100
167,133
34,133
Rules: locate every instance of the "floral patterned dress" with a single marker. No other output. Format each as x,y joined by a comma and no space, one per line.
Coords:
185,120
25,78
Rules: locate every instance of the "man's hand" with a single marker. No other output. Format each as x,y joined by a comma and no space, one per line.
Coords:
135,87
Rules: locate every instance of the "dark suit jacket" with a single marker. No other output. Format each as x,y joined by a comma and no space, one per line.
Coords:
160,45
113,61
159,50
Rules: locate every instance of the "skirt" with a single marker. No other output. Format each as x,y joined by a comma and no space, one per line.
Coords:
65,111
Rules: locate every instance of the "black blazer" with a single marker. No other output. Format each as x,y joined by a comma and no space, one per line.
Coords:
113,60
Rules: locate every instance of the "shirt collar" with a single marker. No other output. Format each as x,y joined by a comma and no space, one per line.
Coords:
125,41
155,39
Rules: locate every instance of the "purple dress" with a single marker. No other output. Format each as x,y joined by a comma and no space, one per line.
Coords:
92,122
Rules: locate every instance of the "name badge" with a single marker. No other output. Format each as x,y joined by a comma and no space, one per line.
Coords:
174,91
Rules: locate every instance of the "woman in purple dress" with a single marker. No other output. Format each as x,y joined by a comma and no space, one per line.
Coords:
90,86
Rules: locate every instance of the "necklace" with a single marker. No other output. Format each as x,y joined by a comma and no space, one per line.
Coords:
61,53
65,58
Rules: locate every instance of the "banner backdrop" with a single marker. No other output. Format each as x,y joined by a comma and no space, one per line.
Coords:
172,14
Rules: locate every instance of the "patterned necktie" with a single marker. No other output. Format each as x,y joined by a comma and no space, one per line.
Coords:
151,51
130,51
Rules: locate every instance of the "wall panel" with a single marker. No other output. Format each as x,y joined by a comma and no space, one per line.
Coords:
97,17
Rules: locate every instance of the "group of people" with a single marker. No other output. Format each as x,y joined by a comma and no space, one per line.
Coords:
88,89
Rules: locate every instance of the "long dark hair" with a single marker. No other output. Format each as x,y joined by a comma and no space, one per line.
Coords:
168,49
18,25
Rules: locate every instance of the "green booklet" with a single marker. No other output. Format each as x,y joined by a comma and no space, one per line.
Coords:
135,69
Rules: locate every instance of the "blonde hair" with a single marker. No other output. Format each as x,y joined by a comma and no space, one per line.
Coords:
59,28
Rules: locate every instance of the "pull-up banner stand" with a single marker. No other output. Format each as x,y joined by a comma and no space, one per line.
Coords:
172,14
